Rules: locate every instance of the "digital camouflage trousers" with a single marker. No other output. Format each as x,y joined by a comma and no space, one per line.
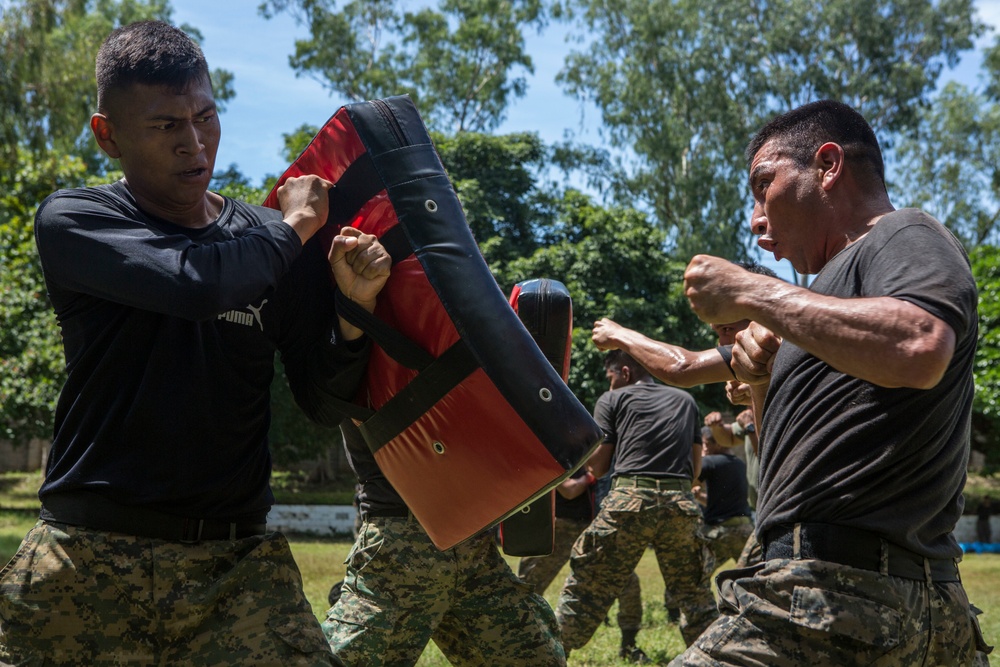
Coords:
726,542
606,553
401,591
74,596
539,571
788,613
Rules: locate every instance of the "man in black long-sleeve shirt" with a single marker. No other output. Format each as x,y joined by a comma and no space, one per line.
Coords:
151,546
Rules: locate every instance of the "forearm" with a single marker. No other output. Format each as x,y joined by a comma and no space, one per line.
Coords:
883,340
724,436
673,364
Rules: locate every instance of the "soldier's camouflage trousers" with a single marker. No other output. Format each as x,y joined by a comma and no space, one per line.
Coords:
400,591
788,613
630,519
74,596
752,552
539,571
726,541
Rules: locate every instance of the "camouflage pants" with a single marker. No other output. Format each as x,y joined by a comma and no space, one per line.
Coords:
400,591
74,596
785,613
726,542
606,553
539,571
752,552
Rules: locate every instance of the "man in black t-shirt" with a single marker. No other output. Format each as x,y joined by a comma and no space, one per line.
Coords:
727,514
652,433
862,391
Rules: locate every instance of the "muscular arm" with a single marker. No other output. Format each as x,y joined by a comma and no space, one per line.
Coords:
883,340
668,363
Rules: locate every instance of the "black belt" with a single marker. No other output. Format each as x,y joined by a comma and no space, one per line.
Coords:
89,510
855,548
388,512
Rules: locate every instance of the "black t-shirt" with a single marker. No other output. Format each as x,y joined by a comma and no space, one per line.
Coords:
839,450
726,476
170,335
652,428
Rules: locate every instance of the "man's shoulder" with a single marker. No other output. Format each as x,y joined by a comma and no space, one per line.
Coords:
107,193
674,392
63,206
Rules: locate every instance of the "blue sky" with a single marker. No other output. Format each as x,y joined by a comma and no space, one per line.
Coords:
271,100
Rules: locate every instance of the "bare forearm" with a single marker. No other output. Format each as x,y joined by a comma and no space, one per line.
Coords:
883,340
673,364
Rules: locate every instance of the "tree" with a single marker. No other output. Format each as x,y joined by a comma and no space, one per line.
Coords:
455,62
611,259
496,179
950,165
683,84
986,407
31,357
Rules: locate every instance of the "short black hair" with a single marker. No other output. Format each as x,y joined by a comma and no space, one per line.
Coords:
149,52
615,359
801,132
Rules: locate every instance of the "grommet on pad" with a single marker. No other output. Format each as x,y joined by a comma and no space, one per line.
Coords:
431,206
438,447
545,394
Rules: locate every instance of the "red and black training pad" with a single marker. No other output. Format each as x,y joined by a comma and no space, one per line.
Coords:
545,308
464,414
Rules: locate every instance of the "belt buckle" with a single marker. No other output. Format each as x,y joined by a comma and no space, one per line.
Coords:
191,531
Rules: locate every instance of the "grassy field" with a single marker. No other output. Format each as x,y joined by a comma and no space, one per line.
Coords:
322,564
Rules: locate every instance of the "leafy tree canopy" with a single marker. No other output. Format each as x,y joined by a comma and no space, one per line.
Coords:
684,83
456,61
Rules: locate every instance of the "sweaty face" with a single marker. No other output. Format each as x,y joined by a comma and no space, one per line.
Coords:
788,201
727,332
167,141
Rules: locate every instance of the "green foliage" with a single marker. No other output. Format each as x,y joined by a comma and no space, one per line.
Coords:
297,141
496,180
684,83
293,438
986,420
454,61
950,166
31,358
612,262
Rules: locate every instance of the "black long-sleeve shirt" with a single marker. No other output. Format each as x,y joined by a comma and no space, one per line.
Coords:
170,335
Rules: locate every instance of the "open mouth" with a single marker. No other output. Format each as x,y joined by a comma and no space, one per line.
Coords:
192,173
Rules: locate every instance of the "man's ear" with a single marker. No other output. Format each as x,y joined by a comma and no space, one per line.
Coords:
104,133
626,373
830,160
